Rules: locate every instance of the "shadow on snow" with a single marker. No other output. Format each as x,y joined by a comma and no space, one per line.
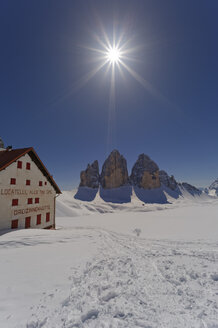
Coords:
123,194
86,194
117,195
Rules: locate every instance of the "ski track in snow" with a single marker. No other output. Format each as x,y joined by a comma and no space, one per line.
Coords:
136,282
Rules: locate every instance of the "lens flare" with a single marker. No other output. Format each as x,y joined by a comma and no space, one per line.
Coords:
114,55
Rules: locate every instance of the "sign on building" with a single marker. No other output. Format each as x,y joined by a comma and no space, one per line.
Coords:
27,191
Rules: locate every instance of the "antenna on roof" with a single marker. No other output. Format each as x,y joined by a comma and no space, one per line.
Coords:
1,143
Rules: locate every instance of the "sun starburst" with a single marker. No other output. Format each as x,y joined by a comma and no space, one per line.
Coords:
114,55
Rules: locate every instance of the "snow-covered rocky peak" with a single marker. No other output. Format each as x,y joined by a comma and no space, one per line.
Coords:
191,189
213,188
214,185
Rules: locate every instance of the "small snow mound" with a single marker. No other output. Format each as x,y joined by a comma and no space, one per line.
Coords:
214,276
91,314
109,296
66,302
36,324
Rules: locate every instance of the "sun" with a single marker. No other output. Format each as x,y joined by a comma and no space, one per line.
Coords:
113,55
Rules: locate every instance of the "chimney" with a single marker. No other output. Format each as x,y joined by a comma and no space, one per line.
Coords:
2,147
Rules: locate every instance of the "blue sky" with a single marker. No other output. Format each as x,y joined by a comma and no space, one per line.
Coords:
44,55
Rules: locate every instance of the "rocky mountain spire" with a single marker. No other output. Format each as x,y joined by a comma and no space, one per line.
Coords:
114,171
145,173
90,177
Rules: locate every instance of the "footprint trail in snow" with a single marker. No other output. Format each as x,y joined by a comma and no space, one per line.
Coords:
134,282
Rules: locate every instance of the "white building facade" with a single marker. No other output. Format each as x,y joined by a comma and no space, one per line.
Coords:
27,191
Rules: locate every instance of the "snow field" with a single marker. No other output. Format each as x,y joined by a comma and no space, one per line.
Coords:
134,282
37,264
133,266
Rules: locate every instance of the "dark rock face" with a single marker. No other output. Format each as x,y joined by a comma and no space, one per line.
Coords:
191,189
168,181
145,173
90,177
114,171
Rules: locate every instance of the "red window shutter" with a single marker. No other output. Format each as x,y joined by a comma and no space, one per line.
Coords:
27,222
36,200
28,166
29,201
47,217
38,219
13,181
19,165
14,202
14,224
27,182
40,183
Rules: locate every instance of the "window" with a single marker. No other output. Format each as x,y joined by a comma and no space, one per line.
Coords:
29,201
13,181
47,217
28,166
36,200
38,219
14,224
14,202
19,165
27,222
45,183
40,183
27,182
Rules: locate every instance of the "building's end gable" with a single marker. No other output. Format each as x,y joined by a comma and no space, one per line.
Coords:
7,157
